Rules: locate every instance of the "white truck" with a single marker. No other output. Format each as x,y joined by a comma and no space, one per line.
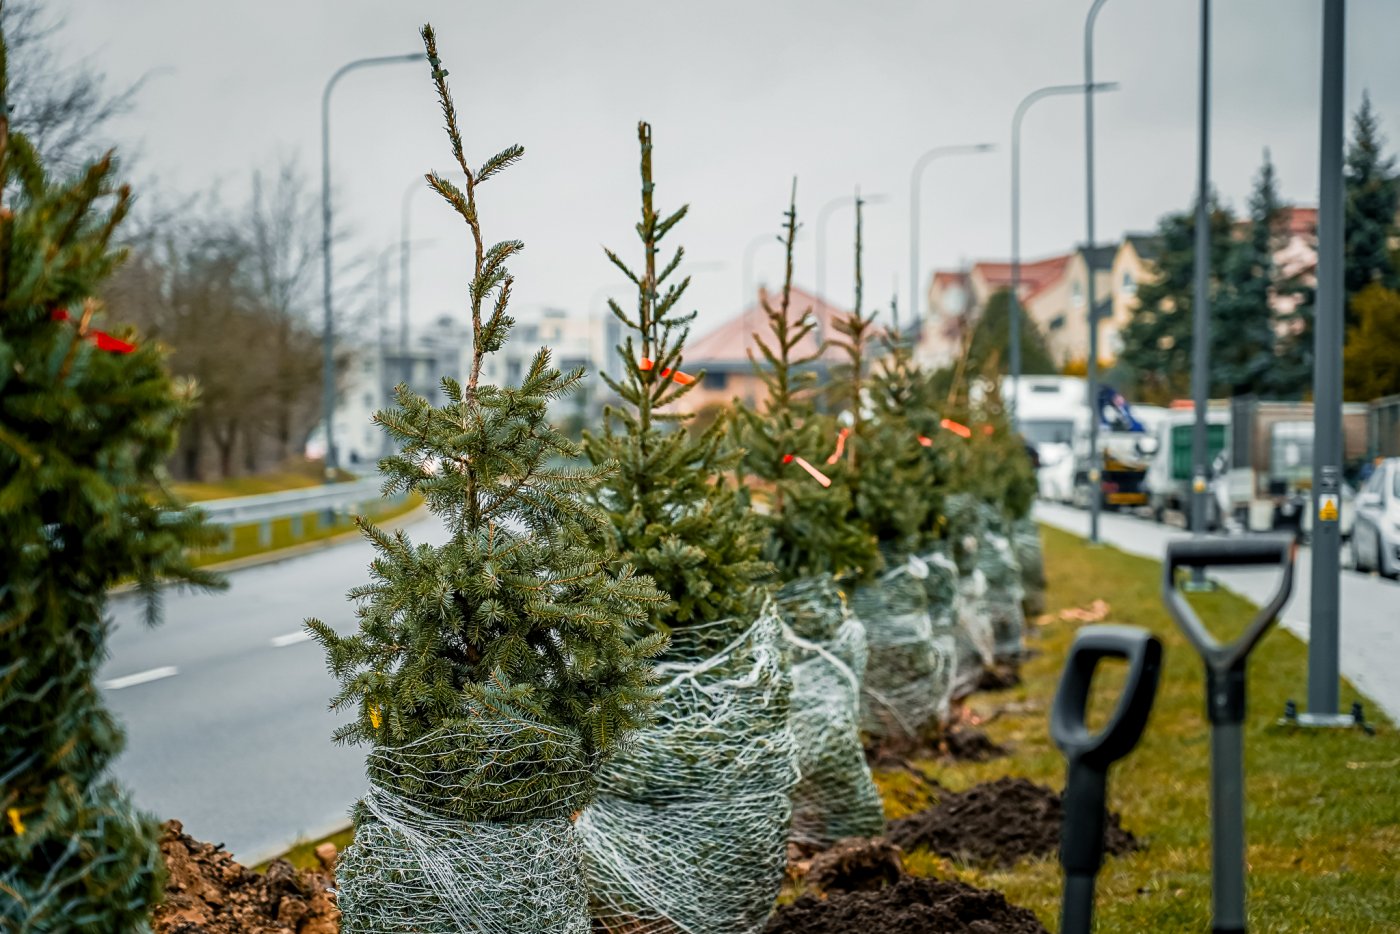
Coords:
1169,477
1053,416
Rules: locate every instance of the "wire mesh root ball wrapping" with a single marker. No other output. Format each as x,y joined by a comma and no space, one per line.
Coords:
909,672
997,560
836,796
417,864
688,834
974,640
1025,539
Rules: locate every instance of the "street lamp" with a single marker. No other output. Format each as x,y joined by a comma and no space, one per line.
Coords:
822,217
328,329
1095,468
915,176
1014,301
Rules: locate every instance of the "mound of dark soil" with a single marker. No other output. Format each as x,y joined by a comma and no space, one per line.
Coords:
855,864
996,824
999,677
911,906
209,893
964,743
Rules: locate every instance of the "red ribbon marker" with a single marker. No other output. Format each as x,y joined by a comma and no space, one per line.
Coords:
926,441
961,431
841,437
685,379
102,339
986,429
817,475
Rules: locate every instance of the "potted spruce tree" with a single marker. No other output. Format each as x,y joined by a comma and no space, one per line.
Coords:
492,676
689,831
885,468
814,550
87,420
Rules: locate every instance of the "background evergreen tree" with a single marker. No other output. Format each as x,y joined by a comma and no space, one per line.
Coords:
1157,340
808,532
989,351
672,515
1245,342
87,420
516,625
1372,199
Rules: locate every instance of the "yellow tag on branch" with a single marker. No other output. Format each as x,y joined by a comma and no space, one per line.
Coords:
375,718
15,822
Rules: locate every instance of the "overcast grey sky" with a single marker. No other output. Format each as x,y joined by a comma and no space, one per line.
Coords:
742,96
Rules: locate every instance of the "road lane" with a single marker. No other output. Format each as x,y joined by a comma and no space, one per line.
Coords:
236,743
1370,606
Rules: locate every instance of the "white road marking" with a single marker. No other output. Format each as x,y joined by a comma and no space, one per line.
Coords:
141,677
291,638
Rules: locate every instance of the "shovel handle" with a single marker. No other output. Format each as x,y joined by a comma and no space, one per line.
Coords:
1218,551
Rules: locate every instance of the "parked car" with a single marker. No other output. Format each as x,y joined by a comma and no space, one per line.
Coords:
1375,538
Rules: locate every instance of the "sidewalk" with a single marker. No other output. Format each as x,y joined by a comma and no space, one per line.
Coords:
1370,606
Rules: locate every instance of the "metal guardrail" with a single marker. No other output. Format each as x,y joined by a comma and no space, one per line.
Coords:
330,501
265,507
1383,426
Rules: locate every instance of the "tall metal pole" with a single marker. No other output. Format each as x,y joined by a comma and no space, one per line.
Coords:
328,324
915,177
1095,464
405,253
1324,635
1200,327
1014,299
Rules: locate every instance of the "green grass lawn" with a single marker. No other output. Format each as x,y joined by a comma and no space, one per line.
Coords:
246,540
1323,822
292,479
1324,807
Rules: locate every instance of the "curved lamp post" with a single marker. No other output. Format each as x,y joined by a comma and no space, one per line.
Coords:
328,325
915,177
1014,300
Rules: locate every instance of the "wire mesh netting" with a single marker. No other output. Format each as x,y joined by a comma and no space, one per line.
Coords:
974,639
427,857
689,830
943,587
909,675
997,560
836,796
1025,539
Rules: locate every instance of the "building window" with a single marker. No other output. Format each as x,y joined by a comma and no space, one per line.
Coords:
716,380
1057,322
1076,293
1129,286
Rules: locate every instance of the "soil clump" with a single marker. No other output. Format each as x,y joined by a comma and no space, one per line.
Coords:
999,677
964,743
997,824
911,906
209,893
855,864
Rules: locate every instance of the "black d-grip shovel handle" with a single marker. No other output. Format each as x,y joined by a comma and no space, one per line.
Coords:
1090,754
1225,662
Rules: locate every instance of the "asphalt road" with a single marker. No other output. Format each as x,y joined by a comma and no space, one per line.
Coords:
225,703
1370,605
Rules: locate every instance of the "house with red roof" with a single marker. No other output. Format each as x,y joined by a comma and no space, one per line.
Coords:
726,353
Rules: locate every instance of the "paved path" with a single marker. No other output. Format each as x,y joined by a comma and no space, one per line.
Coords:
1370,606
224,703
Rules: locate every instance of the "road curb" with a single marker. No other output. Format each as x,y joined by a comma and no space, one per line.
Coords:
414,515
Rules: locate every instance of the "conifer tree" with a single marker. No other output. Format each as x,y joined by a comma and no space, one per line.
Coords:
787,440
884,461
490,675
1244,346
87,420
1372,199
673,516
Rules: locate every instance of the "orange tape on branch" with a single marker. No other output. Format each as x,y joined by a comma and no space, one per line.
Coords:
841,437
961,431
685,379
926,441
102,339
817,475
